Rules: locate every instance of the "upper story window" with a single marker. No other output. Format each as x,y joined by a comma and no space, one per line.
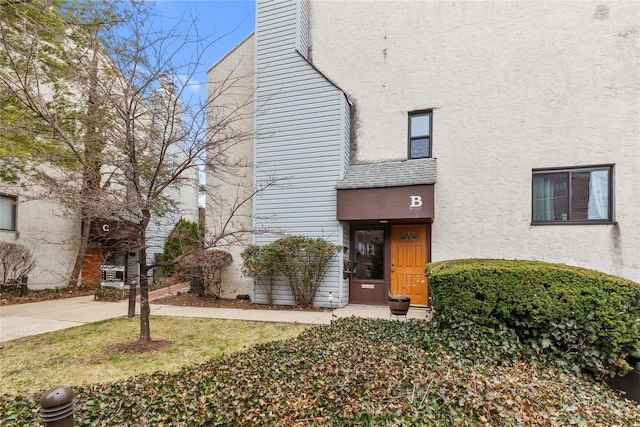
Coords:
420,134
572,195
7,212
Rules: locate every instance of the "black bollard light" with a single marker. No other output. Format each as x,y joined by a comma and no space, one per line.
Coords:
56,407
23,286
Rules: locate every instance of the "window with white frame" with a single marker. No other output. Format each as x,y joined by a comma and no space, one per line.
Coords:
7,212
420,134
572,195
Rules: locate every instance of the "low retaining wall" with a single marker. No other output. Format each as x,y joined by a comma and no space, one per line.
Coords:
169,290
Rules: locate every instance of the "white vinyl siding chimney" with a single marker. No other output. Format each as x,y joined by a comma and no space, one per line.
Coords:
302,127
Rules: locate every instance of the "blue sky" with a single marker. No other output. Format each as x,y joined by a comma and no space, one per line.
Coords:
236,18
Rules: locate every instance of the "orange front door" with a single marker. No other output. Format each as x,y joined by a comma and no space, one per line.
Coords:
408,259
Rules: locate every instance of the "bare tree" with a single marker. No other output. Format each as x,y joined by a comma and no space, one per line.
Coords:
139,133
206,265
164,143
16,261
55,126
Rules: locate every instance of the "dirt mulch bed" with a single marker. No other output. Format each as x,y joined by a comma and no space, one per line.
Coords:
11,295
194,299
139,347
188,299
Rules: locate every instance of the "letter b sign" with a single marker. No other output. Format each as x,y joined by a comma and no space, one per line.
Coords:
416,201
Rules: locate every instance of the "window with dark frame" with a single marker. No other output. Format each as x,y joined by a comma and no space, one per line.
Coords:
572,195
420,134
8,212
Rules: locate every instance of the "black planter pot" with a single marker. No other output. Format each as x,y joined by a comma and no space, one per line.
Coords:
399,305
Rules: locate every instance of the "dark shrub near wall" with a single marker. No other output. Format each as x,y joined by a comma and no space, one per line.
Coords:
588,318
303,262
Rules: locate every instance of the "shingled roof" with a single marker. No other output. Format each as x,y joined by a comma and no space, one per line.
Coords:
391,174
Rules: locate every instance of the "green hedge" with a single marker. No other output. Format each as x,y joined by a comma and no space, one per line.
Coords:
186,237
584,316
108,293
301,260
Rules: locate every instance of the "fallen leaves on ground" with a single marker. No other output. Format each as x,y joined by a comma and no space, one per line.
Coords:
352,372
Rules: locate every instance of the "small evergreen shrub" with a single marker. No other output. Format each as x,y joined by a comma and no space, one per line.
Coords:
108,293
186,237
589,318
258,262
302,261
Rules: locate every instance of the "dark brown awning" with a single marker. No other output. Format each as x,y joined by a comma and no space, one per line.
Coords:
388,203
111,229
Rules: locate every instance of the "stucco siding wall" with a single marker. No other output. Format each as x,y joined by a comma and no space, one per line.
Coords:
51,234
229,209
189,187
513,86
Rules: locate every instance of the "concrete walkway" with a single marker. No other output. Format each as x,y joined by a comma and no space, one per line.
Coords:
21,320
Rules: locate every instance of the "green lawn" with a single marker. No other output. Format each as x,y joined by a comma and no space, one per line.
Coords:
88,354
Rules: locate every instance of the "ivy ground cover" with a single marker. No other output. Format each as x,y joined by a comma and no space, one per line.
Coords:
356,372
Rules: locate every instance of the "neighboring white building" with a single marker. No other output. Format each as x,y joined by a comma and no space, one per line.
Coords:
411,132
231,88
52,231
37,216
168,117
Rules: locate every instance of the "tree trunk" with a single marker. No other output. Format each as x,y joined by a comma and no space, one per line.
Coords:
75,279
145,309
93,151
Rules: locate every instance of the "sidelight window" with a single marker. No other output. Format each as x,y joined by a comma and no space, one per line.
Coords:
368,256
